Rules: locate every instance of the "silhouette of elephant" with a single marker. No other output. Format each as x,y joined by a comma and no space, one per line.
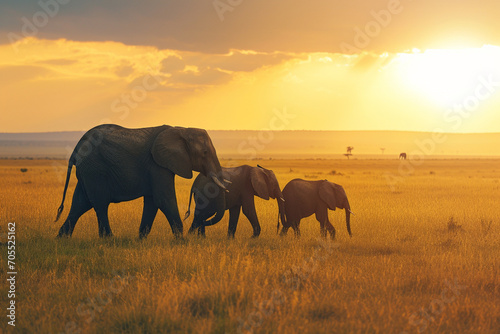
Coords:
246,182
304,198
116,164
402,156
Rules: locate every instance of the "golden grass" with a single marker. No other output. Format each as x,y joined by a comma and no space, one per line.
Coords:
393,275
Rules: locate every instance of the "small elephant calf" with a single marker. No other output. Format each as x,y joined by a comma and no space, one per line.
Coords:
245,183
303,198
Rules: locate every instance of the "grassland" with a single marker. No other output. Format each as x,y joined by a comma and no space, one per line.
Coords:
424,257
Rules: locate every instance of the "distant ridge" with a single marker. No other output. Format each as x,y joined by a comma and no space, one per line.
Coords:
246,144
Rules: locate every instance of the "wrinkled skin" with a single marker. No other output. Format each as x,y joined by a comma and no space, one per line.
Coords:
246,182
304,198
116,164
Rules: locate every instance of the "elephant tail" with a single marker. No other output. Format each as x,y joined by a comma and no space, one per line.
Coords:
188,212
68,175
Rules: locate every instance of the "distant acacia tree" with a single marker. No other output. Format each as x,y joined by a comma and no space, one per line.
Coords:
382,149
349,151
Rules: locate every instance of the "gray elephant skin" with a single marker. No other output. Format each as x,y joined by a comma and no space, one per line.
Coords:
246,182
304,198
116,164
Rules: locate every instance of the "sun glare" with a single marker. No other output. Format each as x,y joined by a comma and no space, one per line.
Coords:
448,76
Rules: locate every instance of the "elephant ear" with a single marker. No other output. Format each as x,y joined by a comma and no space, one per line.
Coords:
327,194
259,183
170,151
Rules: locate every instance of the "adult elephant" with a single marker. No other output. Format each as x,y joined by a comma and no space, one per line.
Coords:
246,182
116,164
303,198
402,156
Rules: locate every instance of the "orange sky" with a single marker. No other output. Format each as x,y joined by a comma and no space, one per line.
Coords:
327,65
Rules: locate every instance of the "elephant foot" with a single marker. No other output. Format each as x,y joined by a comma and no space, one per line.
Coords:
65,231
178,236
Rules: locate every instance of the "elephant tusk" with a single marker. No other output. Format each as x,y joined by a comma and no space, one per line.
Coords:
281,198
227,181
217,182
352,213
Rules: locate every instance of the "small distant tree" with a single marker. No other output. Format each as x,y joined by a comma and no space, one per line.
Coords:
349,151
382,149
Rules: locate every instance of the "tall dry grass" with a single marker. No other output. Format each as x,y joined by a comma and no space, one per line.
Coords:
404,270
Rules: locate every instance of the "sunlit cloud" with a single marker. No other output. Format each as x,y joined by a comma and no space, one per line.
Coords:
70,85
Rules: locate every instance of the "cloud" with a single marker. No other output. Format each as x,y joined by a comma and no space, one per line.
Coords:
209,76
63,85
59,61
15,74
298,27
172,64
237,60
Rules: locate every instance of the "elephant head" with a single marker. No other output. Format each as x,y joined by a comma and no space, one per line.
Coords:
335,197
182,150
266,186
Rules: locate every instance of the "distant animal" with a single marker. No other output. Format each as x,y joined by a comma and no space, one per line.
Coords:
246,182
116,164
303,198
402,156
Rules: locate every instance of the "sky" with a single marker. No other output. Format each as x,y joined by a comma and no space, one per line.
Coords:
236,64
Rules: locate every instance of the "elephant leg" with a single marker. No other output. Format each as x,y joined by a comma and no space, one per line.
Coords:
79,205
330,228
148,216
169,208
234,214
103,221
322,218
249,212
322,229
201,231
197,225
164,198
284,230
296,228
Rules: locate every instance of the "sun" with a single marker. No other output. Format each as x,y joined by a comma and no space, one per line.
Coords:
447,76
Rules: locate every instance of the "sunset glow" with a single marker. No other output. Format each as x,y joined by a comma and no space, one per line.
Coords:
391,78
447,76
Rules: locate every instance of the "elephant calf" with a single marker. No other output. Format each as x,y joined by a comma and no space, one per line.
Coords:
246,182
303,198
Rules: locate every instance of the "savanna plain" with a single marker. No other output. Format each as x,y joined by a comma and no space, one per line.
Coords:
424,257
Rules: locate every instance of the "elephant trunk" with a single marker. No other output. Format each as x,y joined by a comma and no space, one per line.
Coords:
220,209
348,218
